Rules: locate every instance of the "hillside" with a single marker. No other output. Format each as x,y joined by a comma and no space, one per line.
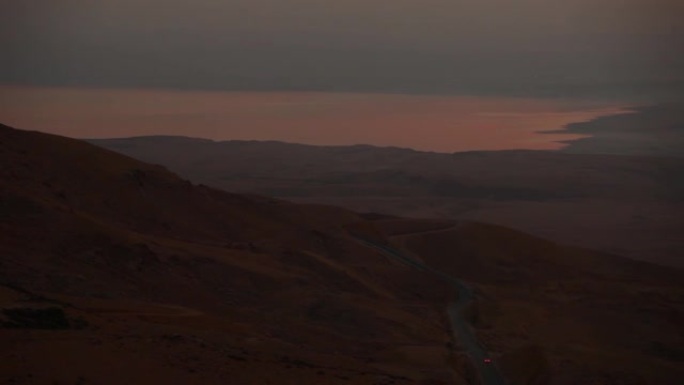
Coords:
116,271
627,205
174,282
559,314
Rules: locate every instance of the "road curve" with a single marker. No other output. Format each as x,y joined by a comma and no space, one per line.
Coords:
489,373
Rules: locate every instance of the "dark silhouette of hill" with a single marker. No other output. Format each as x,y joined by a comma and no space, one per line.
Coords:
182,282
629,205
656,130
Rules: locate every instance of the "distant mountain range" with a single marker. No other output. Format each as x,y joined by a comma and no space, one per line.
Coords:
629,205
656,130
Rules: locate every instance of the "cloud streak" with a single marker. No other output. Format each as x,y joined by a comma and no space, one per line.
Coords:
542,47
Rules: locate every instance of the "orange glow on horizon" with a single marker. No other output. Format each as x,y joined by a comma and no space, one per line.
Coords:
431,123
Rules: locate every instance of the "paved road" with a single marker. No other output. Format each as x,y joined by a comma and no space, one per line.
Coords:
489,373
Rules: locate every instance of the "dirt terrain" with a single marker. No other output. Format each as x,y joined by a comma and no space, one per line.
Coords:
630,205
117,271
559,314
148,278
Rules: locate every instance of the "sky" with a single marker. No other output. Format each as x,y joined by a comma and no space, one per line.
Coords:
109,68
442,123
558,48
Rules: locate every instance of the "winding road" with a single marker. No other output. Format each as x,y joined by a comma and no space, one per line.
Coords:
489,372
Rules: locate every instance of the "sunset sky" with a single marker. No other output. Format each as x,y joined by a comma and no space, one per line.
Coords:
432,123
614,52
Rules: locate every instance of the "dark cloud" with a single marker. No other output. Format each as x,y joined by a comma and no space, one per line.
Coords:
547,47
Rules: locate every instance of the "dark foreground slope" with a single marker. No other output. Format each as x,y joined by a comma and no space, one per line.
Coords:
556,313
114,271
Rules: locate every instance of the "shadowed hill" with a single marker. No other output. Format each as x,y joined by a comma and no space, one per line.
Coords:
271,289
560,314
67,173
627,205
287,169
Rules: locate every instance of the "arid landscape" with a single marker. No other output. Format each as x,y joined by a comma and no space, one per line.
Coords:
116,271
361,192
617,199
151,279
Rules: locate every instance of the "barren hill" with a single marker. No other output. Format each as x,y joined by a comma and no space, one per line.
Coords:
628,205
174,280
116,271
558,314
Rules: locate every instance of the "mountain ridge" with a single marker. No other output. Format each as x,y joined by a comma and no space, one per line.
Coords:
550,194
